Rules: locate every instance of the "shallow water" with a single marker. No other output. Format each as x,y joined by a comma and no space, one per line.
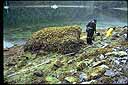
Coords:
8,44
20,22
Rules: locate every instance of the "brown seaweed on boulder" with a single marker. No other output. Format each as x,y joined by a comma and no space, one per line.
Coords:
56,39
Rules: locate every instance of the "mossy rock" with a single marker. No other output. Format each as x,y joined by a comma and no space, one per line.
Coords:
94,73
56,39
71,79
51,80
81,65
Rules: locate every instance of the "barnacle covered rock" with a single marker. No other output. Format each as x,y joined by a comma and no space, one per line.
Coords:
56,39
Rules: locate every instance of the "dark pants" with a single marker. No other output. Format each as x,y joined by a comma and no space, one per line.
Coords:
90,34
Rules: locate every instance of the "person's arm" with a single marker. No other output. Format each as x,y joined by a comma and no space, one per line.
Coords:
87,25
95,28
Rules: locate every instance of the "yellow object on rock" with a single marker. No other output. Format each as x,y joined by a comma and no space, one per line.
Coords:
109,32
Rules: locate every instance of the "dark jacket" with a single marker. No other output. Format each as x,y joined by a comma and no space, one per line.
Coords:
91,25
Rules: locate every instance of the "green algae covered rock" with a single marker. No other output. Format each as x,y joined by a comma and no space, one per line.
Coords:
96,72
51,80
56,39
71,79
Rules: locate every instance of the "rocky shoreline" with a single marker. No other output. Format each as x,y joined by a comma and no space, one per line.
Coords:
104,62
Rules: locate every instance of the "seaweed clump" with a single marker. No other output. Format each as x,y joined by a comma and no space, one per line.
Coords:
55,39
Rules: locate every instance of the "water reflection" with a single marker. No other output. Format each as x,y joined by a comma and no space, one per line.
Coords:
17,18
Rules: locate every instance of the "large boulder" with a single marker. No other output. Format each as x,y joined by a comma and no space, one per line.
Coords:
56,39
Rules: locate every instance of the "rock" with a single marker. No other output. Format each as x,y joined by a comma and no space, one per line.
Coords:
71,79
126,50
98,63
6,49
38,73
123,61
38,81
122,53
101,56
91,61
119,53
57,65
81,65
51,80
109,73
105,80
70,54
73,72
10,64
47,61
123,80
117,62
63,40
71,61
94,73
89,82
104,66
105,45
83,37
82,77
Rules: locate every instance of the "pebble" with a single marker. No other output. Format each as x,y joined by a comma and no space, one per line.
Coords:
102,57
109,73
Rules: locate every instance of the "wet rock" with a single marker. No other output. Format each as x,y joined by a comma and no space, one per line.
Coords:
104,66
89,82
71,79
119,53
120,60
82,77
98,63
38,73
110,73
121,80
